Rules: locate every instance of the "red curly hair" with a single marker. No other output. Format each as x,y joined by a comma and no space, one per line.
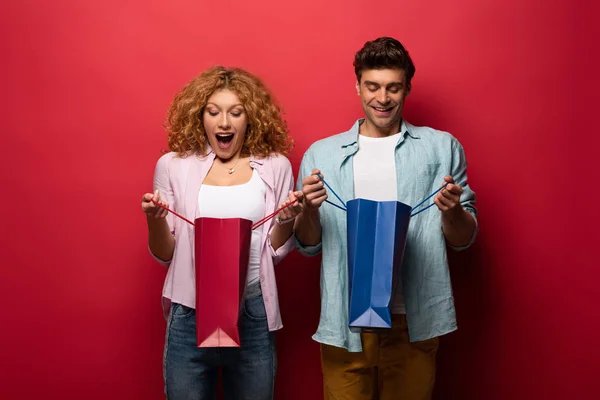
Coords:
267,132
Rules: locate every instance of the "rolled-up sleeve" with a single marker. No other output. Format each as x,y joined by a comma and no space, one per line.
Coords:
306,167
162,183
282,251
468,198
284,182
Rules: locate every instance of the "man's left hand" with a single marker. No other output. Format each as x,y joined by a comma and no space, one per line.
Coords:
448,199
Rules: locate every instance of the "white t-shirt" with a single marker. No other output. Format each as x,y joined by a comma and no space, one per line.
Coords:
375,179
239,201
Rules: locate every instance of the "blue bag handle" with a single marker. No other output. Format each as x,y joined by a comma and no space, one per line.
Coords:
412,209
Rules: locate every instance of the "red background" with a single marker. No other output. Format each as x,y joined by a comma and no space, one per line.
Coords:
85,88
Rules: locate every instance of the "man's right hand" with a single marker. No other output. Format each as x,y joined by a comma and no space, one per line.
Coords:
313,190
308,225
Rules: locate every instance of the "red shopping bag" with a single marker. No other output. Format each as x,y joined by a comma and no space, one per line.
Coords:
222,257
222,253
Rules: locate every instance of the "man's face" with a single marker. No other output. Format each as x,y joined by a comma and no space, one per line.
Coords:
382,93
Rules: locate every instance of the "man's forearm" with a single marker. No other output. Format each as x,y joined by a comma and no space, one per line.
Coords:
308,227
458,227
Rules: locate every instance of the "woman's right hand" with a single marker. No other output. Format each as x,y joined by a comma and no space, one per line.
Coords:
151,209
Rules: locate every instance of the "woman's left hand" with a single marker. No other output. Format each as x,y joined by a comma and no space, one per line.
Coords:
288,214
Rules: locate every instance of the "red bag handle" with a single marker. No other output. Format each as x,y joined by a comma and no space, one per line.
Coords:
254,226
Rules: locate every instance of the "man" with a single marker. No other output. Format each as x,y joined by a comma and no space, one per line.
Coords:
382,158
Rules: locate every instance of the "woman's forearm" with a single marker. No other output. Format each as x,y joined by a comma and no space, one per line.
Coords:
160,239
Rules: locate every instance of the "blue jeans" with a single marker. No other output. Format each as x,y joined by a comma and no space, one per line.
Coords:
248,371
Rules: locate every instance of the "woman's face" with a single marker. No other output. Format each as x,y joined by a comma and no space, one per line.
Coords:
225,122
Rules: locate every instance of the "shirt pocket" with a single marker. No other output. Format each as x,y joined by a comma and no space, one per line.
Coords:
428,179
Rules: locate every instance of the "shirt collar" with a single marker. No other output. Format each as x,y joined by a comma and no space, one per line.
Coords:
350,138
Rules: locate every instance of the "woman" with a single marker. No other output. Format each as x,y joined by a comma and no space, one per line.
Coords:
228,143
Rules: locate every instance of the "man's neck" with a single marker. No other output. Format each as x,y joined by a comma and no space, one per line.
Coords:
370,130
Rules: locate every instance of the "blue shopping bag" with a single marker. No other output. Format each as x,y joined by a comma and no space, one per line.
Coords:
376,233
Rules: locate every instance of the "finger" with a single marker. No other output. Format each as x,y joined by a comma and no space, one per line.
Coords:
285,204
319,200
155,209
448,179
315,172
147,197
446,201
161,211
449,195
285,213
440,205
291,204
313,188
146,207
311,180
315,195
149,205
156,196
298,195
308,180
454,188
291,197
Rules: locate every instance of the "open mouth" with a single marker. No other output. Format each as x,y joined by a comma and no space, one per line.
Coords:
383,110
224,138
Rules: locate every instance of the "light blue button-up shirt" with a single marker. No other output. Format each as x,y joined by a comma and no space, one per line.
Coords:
423,157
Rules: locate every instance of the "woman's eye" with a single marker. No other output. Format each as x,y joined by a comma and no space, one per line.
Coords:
213,113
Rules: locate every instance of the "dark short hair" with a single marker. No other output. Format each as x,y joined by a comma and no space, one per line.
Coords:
383,53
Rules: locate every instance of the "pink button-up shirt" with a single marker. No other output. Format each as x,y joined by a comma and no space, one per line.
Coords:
178,180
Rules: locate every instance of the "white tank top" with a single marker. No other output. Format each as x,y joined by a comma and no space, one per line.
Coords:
239,201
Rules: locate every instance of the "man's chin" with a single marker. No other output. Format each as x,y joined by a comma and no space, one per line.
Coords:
385,123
